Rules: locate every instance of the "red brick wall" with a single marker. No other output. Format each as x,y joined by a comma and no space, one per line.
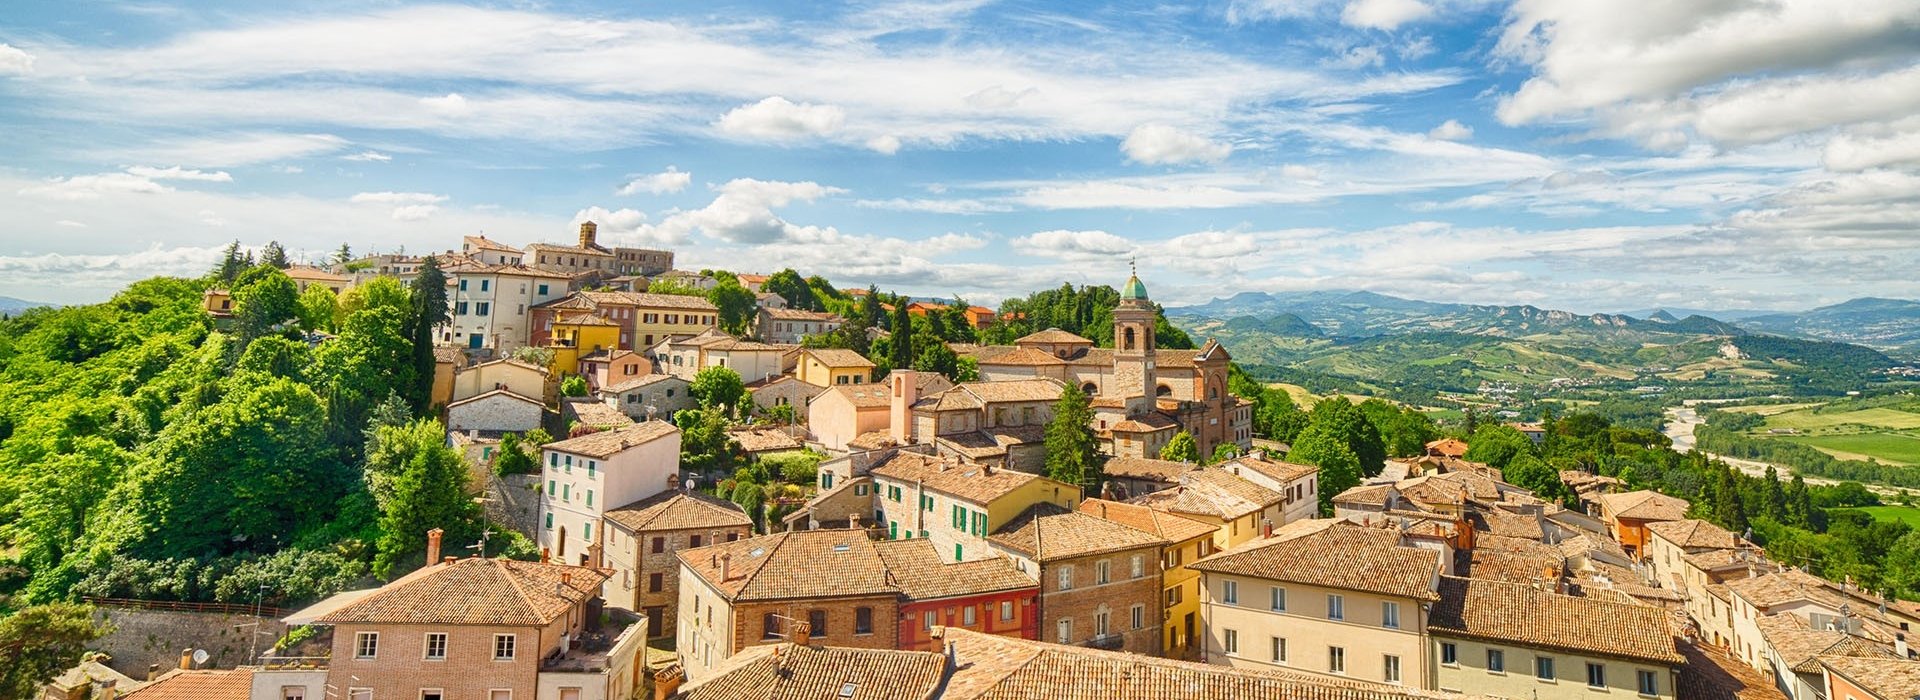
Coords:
1119,595
399,670
840,618
950,612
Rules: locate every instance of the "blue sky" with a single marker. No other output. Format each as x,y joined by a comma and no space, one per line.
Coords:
1564,153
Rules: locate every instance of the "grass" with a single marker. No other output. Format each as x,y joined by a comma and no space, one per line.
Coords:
1770,409
1870,417
1886,447
1910,516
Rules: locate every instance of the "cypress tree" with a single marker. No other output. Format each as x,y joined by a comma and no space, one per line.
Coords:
1073,455
901,353
428,310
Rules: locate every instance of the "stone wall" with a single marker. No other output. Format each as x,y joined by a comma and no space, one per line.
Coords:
142,637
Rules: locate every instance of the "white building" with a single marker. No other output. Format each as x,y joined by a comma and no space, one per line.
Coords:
490,304
587,476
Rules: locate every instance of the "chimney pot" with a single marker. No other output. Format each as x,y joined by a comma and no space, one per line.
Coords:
186,659
449,560
802,633
433,545
153,671
726,566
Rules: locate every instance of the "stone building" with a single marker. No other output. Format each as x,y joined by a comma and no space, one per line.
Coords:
645,538
1100,581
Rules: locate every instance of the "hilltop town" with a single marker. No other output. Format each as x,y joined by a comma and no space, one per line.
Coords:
610,478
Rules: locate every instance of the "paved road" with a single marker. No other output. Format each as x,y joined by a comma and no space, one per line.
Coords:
1681,420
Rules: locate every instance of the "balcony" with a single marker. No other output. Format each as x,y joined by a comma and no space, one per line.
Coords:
294,663
618,638
1109,642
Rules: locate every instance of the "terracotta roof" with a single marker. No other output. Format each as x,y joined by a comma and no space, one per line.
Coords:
1479,484
519,270
1214,493
475,591
873,440
799,315
1370,559
594,412
1513,560
1719,559
1052,336
837,357
308,272
765,440
1430,491
1782,587
1023,357
1581,545
1890,679
667,301
456,356
1145,423
1375,495
679,510
486,243
640,381
975,395
1048,532
1282,472
1167,526
1161,470
1694,534
1448,446
1505,524
826,563
1521,614
181,684
498,392
608,443
992,667
1643,505
584,318
1798,645
1710,674
921,575
861,395
786,671
973,483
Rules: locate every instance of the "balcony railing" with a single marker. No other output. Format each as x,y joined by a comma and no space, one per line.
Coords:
294,663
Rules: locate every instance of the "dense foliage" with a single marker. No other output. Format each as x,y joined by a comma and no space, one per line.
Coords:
1086,311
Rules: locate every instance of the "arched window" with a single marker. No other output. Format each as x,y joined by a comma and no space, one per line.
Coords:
1213,390
1089,388
1126,339
1163,391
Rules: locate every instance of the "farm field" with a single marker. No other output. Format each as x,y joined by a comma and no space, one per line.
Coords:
1886,447
1807,419
1905,514
1770,409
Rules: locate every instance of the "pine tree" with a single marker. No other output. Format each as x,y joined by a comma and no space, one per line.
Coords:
1799,503
343,256
231,264
1776,503
1727,503
428,311
901,353
1073,454
275,255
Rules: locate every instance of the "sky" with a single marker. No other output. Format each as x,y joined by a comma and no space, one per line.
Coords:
1572,154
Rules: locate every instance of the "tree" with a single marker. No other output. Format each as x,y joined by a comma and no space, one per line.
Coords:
343,256
38,642
1181,448
1223,452
1318,445
573,385
1496,445
704,442
736,306
791,287
1529,472
275,255
718,387
1799,503
901,351
1404,431
1073,454
425,487
1776,497
428,311
752,498
937,357
318,307
264,302
1345,421
231,264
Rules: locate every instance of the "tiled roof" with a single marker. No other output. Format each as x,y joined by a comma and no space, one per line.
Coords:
508,393
1711,674
308,272
608,443
786,671
1448,446
583,318
921,575
1521,614
1428,490
1282,472
1513,560
837,357
666,301
1047,532
1798,645
1161,470
861,395
181,684
1214,493
475,591
1375,495
1890,679
1580,545
1145,423
973,483
1023,357
485,243
521,270
1505,524
1369,559
873,440
799,315
640,381
1052,336
595,413
679,510
975,395
456,356
827,563
1720,559
765,440
1643,505
992,667
1168,526
1694,534
1479,484
1781,587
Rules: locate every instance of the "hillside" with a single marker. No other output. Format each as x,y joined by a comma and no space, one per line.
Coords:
1886,324
10,306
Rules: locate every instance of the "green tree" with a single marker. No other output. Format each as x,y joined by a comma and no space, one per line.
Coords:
736,306
1404,431
966,369
718,387
1223,452
573,385
319,306
40,641
263,302
1073,454
1320,446
901,350
752,498
1775,503
343,256
419,483
428,310
1529,472
791,287
276,255
369,361
1496,445
1799,503
1344,420
704,442
937,357
231,264
1181,448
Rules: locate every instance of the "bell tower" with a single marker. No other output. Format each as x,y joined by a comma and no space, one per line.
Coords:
1133,345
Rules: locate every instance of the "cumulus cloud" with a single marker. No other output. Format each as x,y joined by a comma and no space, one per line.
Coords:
368,157
1159,144
743,213
672,180
453,104
184,261
1848,152
885,144
13,61
1451,130
1074,245
1383,14
138,179
618,224
780,119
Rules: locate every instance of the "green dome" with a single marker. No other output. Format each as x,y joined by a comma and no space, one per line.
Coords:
1135,289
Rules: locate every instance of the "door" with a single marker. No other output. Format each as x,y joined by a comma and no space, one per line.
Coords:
1189,629
654,615
473,341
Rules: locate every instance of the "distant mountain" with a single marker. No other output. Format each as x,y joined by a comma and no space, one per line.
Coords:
1679,312
10,306
1885,324
1364,314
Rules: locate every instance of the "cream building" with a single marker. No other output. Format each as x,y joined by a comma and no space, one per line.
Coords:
833,367
1514,640
521,378
490,305
753,361
956,504
584,477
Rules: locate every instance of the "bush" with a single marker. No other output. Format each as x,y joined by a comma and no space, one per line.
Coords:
795,467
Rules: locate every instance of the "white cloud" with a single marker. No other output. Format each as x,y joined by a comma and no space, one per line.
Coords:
743,213
934,206
70,223
1357,57
885,144
1159,144
79,187
1451,130
669,181
1383,14
1296,171
234,149
1074,245
1240,11
616,225
1847,152
368,157
777,118
178,173
13,61
414,212
397,198
452,104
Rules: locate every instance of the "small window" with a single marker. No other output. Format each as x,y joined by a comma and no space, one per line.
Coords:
770,626
503,647
969,615
1139,616
817,622
694,541
1006,610
1390,614
1449,654
863,620
1496,661
1064,578
293,692
1100,572
1390,668
1596,675
1279,650
436,646
1336,607
1138,567
1543,668
1649,683
659,545
549,520
1336,660
366,645
1230,642
655,582
1230,592
1277,599
1063,630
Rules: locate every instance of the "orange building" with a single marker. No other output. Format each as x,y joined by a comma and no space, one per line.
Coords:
1627,515
986,595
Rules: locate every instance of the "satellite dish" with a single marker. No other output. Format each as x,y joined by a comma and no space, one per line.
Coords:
200,656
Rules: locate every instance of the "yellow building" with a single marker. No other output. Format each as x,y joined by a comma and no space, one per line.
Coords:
218,302
832,367
580,334
1239,509
1187,541
956,504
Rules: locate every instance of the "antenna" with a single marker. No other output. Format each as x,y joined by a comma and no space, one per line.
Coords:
480,548
200,656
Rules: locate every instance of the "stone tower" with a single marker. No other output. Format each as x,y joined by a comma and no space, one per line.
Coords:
588,232
1133,345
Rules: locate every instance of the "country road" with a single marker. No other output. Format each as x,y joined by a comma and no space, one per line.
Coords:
1681,420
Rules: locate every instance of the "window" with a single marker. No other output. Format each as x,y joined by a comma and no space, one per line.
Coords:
928,620
1496,661
694,541
769,626
586,531
1064,578
1279,650
1596,675
503,647
484,284
1649,683
481,308
1006,610
1449,654
1390,614
366,645
293,692
1390,668
863,620
816,622
1230,592
436,646
1138,566
980,524
543,290
1063,631
1543,668
1100,627
1230,642
1277,599
359,694
1100,572
659,545
549,521
591,466
959,552
1336,660
1336,607
463,285
460,308
589,498
970,615
654,582
432,694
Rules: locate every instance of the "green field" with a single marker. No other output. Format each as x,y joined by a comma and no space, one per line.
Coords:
1871,417
1769,409
1886,447
1910,516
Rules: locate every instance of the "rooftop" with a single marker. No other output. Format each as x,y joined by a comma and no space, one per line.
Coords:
475,591
828,563
1277,470
973,483
1052,336
788,671
1711,674
861,395
1167,526
1048,532
1694,534
1212,493
181,684
1524,615
921,575
1161,470
679,510
837,357
798,315
608,443
594,412
1371,559
1893,679
1643,505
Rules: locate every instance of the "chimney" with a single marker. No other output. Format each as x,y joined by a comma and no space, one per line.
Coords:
433,545
449,559
673,481
726,566
853,521
186,659
153,671
667,681
587,231
904,391
546,555
1266,528
802,633
1900,645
